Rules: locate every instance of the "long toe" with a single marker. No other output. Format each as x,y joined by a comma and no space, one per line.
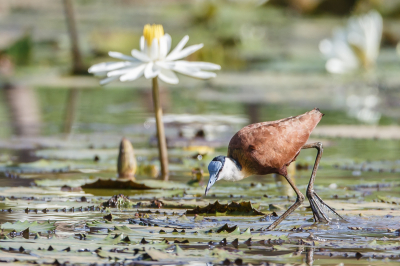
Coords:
321,211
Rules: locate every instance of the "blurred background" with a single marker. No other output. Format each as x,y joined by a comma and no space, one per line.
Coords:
272,68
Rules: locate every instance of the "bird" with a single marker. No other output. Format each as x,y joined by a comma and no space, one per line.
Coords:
269,147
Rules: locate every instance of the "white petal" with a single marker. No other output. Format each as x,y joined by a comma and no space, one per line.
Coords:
151,70
180,45
104,67
185,52
154,50
164,64
375,34
107,80
345,53
198,65
121,56
142,43
195,74
168,76
140,56
168,40
121,71
326,47
133,74
163,47
337,66
202,75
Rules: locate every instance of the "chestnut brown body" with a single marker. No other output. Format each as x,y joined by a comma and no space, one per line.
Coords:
269,147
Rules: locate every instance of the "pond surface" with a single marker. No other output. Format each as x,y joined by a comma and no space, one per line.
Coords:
358,178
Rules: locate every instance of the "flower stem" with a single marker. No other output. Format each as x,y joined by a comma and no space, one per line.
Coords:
162,144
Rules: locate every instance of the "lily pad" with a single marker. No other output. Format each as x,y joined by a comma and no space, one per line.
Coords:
34,227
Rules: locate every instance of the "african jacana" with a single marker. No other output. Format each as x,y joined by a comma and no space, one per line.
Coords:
269,147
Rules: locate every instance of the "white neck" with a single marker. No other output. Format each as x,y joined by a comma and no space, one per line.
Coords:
230,171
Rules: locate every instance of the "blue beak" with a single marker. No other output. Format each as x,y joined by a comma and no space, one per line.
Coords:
213,179
213,168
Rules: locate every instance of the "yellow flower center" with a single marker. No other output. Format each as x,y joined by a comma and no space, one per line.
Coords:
151,32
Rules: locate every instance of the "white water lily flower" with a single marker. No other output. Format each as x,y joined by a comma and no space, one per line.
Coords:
155,60
355,46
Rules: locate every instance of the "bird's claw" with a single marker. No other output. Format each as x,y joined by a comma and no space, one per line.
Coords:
321,211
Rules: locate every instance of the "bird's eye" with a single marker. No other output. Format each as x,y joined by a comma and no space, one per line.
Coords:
252,148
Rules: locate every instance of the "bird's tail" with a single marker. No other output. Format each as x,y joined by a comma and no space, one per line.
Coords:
317,109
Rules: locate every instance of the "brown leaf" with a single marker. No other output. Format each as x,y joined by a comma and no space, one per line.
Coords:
112,202
25,233
234,208
226,228
116,184
108,217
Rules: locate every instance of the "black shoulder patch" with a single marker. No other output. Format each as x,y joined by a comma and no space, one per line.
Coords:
221,159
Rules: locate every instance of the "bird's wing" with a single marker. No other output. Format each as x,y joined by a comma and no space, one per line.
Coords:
268,147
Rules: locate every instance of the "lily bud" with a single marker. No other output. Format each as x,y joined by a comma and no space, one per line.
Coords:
126,160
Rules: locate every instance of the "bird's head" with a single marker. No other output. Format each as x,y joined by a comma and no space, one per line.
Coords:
214,168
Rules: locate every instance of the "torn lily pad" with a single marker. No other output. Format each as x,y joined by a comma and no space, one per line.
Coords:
234,208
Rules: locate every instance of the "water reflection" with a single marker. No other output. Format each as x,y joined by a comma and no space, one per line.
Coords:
71,110
23,110
363,107
309,256
253,112
284,187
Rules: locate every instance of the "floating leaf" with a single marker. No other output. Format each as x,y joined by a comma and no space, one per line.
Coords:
246,232
157,255
123,229
199,218
34,226
183,218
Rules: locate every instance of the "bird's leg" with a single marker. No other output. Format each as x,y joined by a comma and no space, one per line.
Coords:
319,208
299,200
